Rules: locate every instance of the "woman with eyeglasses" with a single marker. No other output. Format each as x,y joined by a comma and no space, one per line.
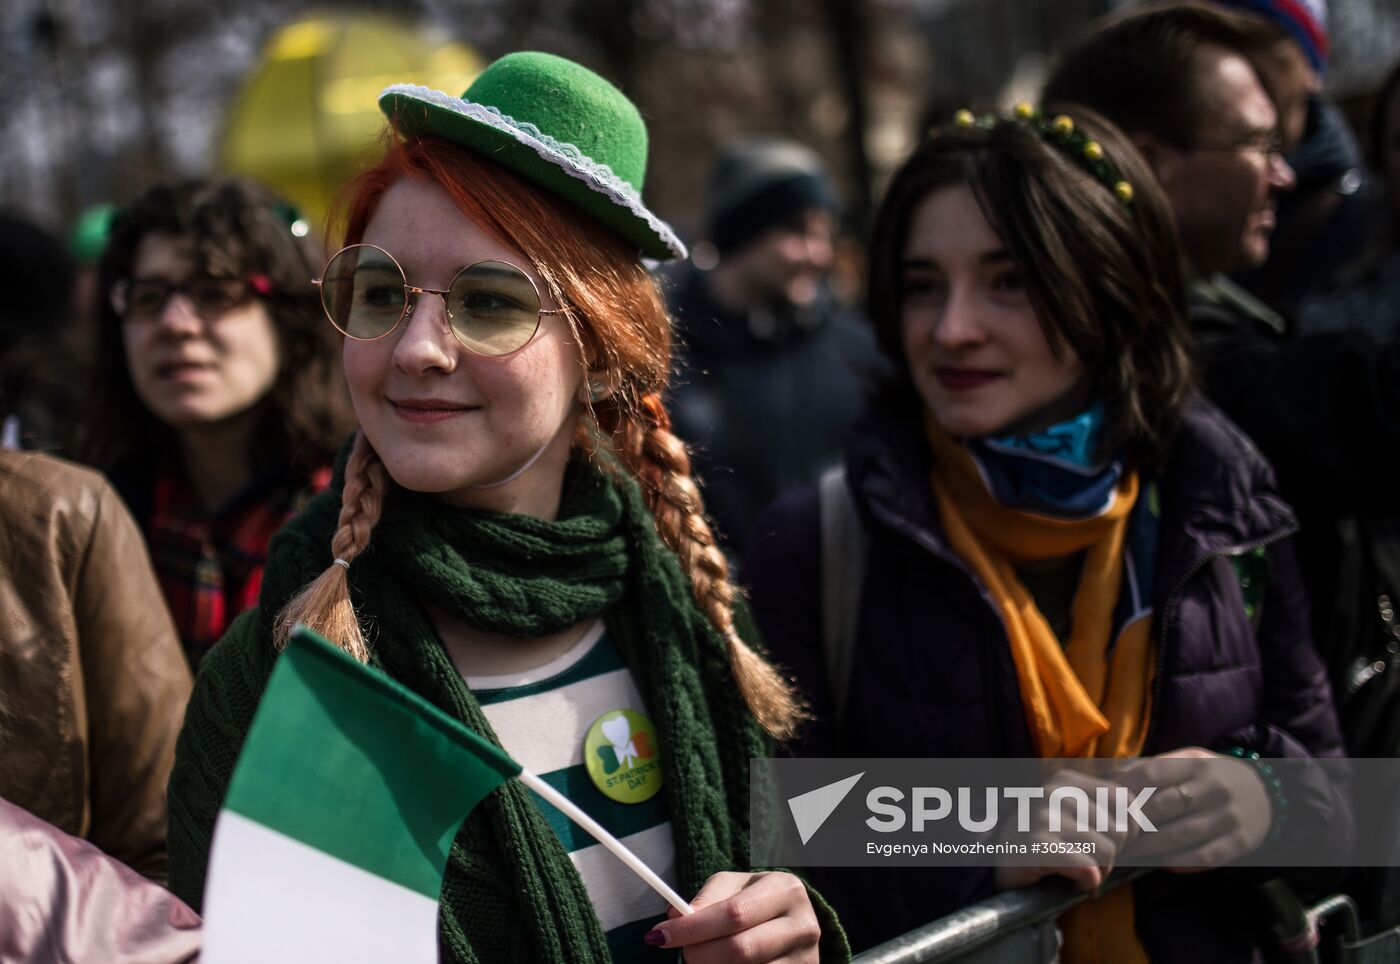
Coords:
217,402
1045,545
514,534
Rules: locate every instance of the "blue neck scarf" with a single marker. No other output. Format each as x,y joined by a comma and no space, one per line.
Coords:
1055,472
1052,471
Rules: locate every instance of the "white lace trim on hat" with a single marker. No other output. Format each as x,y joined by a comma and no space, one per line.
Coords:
596,176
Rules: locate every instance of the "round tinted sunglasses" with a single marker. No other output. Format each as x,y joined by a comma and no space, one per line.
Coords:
493,308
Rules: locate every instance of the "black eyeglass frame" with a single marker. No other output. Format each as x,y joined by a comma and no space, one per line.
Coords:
1269,145
119,296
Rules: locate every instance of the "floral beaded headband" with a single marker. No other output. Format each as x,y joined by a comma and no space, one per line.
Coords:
1063,134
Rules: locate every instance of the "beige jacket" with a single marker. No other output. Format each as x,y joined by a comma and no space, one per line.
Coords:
93,682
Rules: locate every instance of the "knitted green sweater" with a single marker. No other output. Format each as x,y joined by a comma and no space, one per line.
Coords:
510,892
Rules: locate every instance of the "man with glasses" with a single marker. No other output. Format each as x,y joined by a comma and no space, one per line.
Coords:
1181,81
1190,85
1325,222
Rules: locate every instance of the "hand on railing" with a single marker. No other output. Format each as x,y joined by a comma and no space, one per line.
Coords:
1209,809
1085,856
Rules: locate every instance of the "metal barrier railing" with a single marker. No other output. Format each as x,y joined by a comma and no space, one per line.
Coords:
1019,927
1016,927
1351,947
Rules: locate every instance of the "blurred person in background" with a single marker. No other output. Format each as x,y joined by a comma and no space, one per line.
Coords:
217,401
87,240
772,362
1051,521
37,378
1369,295
1180,80
93,683
1184,82
1323,223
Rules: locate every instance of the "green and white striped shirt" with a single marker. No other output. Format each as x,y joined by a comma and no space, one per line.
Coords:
542,717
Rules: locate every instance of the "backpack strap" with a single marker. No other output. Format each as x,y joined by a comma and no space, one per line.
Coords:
843,547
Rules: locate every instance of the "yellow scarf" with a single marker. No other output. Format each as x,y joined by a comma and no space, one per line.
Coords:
1078,703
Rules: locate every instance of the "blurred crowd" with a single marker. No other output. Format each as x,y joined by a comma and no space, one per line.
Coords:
1097,457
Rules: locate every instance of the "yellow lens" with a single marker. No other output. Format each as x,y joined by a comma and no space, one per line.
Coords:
494,308
363,291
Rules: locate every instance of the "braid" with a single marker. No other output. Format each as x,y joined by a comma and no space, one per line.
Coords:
324,605
659,459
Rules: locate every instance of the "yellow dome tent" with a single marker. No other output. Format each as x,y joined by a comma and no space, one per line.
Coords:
307,118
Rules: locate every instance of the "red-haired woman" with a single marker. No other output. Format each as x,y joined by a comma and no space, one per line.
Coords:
538,561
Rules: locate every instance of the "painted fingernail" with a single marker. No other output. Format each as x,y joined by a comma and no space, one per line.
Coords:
654,937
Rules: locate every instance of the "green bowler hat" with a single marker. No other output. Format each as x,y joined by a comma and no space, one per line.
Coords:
558,124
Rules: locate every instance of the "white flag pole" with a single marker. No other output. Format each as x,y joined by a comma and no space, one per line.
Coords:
571,810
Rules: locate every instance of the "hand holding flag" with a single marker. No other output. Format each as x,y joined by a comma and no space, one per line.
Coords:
342,810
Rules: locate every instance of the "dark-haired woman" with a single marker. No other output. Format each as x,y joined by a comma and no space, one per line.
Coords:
217,401
1053,523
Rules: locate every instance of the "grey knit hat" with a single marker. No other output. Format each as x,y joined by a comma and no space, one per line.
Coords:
759,184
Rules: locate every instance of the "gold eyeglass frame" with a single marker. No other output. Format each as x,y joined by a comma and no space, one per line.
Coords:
410,299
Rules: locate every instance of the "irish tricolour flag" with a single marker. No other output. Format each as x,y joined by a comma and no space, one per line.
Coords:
337,824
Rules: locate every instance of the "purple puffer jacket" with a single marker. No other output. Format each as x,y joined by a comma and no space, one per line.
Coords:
932,673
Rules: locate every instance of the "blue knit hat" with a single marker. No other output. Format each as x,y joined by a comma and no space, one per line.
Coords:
1305,21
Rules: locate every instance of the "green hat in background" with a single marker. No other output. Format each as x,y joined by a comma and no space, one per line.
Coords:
88,239
556,123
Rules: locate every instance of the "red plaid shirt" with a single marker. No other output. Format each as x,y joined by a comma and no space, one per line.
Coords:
211,567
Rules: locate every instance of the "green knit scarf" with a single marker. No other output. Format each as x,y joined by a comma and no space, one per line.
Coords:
510,891
512,574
